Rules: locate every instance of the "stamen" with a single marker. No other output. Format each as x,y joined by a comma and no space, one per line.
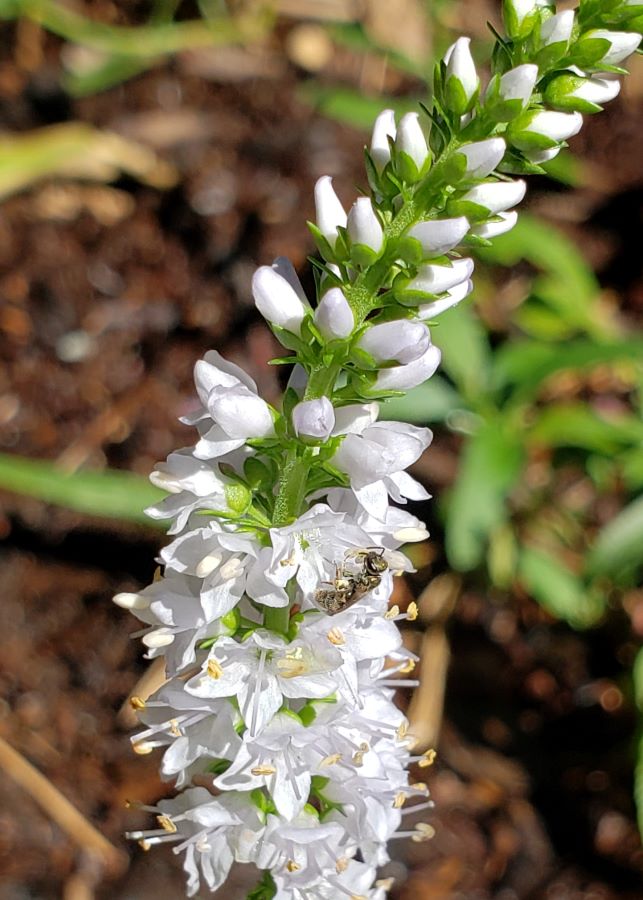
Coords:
137,702
145,747
406,669
215,670
427,759
167,824
400,800
419,807
175,731
392,612
330,760
412,611
263,770
292,866
341,865
423,832
385,883
257,694
336,637
402,730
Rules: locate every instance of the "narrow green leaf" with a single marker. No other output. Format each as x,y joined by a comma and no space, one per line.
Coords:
489,468
577,425
111,493
558,589
619,546
465,349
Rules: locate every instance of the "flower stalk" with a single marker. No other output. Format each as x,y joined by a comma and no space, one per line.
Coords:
277,721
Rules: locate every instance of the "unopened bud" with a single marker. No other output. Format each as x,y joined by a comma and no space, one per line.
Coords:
403,378
583,95
434,279
507,95
483,157
363,225
333,316
438,236
329,212
601,47
314,419
491,197
557,29
383,128
411,141
543,129
402,341
277,300
461,81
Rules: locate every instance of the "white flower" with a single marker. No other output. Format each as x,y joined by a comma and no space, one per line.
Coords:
277,299
438,236
496,196
434,279
231,410
330,214
461,73
192,484
483,157
410,139
402,340
314,419
621,44
506,221
555,126
262,671
375,461
364,226
333,316
518,83
558,28
383,128
403,378
428,311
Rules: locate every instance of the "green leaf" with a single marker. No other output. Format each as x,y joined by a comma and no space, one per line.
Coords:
465,349
351,107
111,493
432,401
619,546
489,468
558,589
526,364
578,425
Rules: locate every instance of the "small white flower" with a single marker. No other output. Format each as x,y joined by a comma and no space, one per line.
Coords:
410,139
333,316
557,28
506,221
462,70
483,157
330,214
364,226
403,378
277,300
556,126
496,196
438,236
403,341
434,279
262,671
314,419
621,44
383,128
428,311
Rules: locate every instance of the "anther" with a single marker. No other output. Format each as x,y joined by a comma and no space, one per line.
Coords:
263,770
175,730
145,845
402,730
292,866
331,759
412,611
336,637
137,703
142,747
341,865
423,832
392,612
407,667
400,800
167,824
214,669
427,759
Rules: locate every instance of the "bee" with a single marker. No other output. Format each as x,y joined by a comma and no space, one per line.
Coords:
352,580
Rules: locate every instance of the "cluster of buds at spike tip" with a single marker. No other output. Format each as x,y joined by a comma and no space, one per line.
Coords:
278,728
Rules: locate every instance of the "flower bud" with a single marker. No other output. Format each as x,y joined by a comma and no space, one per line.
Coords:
507,95
542,129
314,419
492,196
483,157
488,230
402,341
461,81
410,140
330,213
433,279
383,128
557,29
582,95
364,226
438,236
613,48
451,298
541,156
277,300
333,316
403,378
520,16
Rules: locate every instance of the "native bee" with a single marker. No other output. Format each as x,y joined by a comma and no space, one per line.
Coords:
360,572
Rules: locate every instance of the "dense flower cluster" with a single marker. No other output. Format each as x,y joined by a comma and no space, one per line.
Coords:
272,612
